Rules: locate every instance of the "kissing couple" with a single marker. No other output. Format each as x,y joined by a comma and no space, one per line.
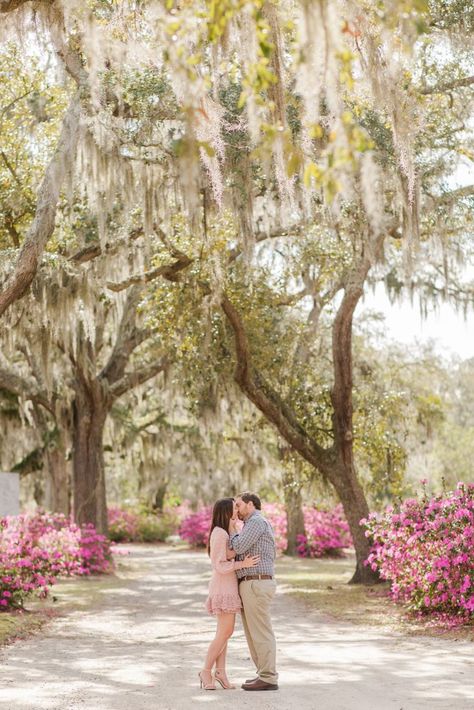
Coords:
243,581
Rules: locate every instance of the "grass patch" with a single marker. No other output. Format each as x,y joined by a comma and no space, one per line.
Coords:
21,624
323,585
67,595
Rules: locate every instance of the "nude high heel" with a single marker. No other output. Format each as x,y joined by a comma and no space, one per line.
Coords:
206,686
225,683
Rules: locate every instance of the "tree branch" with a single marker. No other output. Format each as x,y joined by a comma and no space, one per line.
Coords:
459,193
341,394
25,388
127,339
137,377
10,168
86,254
296,231
448,86
6,108
168,271
128,336
11,229
268,401
10,5
292,298
92,251
43,223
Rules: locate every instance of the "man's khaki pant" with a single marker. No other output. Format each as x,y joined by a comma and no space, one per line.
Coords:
257,595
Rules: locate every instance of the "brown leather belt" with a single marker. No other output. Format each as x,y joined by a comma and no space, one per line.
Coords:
255,576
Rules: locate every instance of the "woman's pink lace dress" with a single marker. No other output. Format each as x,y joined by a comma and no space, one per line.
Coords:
223,588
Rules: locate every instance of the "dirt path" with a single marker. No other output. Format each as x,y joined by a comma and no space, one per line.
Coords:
140,643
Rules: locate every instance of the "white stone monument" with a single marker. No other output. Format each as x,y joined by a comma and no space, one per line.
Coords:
9,494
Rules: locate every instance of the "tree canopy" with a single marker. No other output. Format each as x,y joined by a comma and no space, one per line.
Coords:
196,194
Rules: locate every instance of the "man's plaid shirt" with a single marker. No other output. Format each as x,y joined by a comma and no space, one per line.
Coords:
255,538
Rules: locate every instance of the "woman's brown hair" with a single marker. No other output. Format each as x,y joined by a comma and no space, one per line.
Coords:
221,514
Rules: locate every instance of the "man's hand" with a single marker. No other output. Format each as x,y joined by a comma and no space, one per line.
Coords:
233,526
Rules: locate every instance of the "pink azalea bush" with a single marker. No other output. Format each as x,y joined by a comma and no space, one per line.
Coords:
276,515
327,532
426,550
36,549
194,528
123,525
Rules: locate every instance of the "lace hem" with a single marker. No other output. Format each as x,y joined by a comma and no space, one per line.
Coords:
223,604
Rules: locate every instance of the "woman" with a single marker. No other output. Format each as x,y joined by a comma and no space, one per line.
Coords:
223,600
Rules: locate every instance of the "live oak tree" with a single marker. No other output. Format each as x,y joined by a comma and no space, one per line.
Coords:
380,222
313,118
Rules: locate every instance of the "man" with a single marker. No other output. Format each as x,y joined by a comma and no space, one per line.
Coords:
257,588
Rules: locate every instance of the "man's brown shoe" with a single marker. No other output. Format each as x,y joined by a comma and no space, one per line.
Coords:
260,685
251,680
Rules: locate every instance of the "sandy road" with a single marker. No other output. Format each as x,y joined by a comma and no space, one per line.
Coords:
140,643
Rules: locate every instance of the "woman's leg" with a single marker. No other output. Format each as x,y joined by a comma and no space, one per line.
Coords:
221,673
220,660
225,629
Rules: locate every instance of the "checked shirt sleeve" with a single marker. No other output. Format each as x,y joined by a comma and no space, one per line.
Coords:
248,536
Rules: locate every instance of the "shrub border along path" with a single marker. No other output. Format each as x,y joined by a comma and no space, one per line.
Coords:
135,641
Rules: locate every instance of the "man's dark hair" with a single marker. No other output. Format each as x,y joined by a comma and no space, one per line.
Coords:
247,497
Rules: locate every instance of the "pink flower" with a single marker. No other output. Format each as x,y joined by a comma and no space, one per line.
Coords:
426,550
35,549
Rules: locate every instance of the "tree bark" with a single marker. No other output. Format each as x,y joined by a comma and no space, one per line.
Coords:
11,5
294,514
89,415
159,497
344,477
354,503
58,484
44,220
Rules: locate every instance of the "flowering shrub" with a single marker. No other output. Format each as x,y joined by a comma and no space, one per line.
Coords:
426,550
130,526
36,549
94,551
276,515
157,528
195,527
327,533
123,525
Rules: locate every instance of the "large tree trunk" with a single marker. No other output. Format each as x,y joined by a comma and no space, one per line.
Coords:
343,476
57,483
95,394
89,415
294,514
159,497
336,463
351,495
